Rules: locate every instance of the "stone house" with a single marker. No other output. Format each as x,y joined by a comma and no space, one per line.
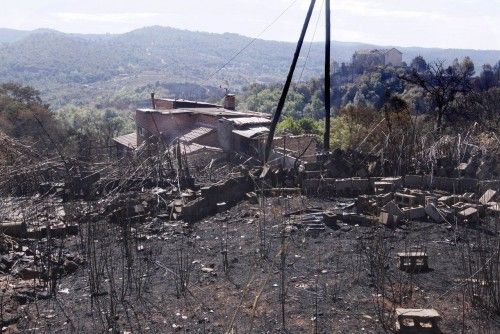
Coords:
195,126
378,57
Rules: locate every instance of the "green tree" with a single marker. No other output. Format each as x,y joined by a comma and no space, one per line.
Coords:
93,128
24,115
305,125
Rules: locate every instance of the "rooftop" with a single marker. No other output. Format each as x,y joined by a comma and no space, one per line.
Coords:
181,103
210,111
252,132
376,51
241,121
195,133
190,148
128,140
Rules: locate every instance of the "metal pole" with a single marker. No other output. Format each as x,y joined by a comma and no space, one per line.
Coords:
288,81
326,138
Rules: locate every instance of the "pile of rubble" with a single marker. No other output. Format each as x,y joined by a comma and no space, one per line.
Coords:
396,199
161,195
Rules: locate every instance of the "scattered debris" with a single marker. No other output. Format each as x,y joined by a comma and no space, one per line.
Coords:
414,260
411,320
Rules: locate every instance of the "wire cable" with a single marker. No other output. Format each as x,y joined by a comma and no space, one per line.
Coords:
251,42
312,40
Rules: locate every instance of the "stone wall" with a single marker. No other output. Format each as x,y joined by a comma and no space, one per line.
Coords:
230,192
356,186
453,185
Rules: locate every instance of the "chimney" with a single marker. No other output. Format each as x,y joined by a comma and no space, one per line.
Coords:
153,103
230,102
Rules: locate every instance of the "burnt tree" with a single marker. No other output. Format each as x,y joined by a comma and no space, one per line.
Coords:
443,84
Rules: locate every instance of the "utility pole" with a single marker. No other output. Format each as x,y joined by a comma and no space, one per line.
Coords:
326,136
281,102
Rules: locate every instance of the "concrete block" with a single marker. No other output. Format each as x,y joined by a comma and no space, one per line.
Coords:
493,209
414,213
383,199
396,181
385,218
393,209
450,200
431,200
330,218
488,196
361,185
419,194
360,219
14,229
469,214
325,185
413,181
460,206
352,186
434,213
405,199
469,197
382,187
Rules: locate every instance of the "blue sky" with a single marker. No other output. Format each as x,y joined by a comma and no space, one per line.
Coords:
430,23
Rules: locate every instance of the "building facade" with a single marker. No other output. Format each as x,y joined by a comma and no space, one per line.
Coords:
378,57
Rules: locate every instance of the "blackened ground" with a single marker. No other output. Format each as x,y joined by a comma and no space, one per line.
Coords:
342,280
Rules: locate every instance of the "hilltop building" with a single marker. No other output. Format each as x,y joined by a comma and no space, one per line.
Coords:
378,57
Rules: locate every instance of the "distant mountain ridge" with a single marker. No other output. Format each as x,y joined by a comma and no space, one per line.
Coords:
45,57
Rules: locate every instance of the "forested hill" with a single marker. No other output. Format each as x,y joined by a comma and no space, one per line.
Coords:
46,58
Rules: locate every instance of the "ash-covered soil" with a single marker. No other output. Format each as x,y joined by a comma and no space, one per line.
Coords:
161,276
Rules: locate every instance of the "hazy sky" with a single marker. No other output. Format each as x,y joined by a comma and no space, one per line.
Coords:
431,23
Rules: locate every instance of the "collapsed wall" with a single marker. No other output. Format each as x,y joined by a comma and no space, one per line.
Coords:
223,194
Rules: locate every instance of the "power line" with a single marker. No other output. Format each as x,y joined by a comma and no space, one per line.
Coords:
251,42
312,40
